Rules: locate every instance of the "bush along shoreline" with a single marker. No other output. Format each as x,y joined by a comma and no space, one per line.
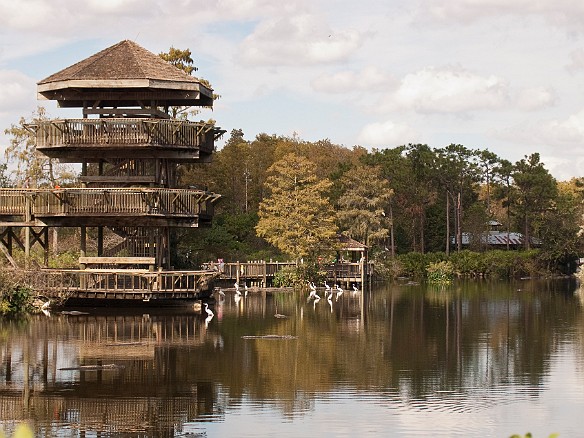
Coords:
437,267
17,296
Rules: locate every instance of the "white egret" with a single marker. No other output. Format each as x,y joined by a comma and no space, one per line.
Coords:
209,311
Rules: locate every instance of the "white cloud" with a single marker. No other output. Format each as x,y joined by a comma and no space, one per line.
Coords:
569,130
559,12
387,133
297,40
18,92
368,79
576,61
25,15
448,90
532,99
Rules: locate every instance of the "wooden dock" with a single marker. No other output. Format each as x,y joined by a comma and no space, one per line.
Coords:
123,284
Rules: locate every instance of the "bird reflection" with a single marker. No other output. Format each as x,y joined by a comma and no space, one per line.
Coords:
330,301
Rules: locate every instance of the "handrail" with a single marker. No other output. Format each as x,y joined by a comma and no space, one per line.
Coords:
106,201
126,131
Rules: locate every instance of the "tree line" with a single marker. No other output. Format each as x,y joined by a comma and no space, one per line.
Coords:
284,195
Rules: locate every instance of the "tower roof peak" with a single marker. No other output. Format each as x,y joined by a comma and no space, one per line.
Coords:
123,66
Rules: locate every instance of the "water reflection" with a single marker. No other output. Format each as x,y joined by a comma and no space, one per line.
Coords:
463,351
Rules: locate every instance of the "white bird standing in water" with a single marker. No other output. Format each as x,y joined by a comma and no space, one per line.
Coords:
210,315
355,289
327,289
245,288
339,291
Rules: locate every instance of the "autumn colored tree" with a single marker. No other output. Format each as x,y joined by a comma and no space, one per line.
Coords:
296,216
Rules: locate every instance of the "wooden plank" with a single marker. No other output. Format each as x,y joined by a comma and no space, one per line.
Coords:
117,260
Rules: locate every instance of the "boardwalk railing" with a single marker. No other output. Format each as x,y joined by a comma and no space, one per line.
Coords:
121,284
106,201
137,132
262,272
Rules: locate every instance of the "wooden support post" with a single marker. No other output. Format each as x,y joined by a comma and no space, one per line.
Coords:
83,249
100,240
84,173
46,246
363,267
237,272
265,280
167,235
27,219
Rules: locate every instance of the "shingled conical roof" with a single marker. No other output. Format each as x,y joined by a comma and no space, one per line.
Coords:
124,60
123,66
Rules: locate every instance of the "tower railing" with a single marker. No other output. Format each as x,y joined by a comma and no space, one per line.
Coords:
129,132
106,201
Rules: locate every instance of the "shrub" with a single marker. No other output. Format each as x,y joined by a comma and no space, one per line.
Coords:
15,295
440,272
413,264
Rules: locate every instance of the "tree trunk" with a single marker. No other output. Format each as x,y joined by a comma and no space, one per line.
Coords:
447,223
458,223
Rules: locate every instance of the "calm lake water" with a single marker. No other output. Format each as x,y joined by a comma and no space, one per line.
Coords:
474,359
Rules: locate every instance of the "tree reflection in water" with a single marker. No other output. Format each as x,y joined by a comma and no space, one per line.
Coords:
459,350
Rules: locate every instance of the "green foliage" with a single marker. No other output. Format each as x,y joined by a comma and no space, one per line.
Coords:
413,264
467,263
299,276
181,59
15,295
440,272
493,264
5,179
363,203
286,277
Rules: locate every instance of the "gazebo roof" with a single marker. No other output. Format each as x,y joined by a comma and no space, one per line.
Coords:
124,67
349,244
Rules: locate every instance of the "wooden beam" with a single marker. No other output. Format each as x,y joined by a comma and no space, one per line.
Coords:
117,260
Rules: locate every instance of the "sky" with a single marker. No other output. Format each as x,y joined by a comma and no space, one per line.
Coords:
502,75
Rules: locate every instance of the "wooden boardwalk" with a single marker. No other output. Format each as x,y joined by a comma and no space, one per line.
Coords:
123,284
261,273
145,285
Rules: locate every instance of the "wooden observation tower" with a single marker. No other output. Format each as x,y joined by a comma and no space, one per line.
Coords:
129,148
